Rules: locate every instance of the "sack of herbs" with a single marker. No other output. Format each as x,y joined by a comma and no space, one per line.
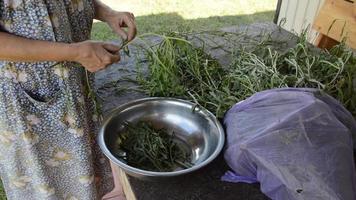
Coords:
297,143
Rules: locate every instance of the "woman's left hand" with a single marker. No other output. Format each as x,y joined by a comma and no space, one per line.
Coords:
119,20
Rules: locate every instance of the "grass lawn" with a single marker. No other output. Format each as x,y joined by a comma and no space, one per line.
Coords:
184,15
2,192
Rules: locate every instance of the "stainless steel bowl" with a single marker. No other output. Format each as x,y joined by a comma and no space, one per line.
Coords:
195,127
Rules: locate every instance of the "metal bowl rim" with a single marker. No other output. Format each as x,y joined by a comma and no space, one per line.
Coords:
147,173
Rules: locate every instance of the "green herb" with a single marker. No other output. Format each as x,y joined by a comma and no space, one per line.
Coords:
179,69
125,47
301,66
144,147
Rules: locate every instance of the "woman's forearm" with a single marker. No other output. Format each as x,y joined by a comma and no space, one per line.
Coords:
102,11
15,48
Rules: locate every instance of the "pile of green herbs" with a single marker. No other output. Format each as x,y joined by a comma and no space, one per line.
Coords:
147,148
177,68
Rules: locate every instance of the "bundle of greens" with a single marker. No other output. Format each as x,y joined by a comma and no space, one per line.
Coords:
303,66
144,147
179,69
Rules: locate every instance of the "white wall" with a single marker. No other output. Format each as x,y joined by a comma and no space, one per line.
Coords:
299,14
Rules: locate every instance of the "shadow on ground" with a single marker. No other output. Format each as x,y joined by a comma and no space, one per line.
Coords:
164,22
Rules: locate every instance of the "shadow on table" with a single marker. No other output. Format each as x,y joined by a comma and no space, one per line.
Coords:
205,184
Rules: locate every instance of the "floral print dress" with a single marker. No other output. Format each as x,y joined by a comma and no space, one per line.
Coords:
47,130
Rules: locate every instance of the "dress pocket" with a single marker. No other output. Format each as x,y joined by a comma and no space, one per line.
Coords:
40,101
48,92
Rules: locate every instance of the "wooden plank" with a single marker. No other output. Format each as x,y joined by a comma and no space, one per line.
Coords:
336,19
126,186
325,42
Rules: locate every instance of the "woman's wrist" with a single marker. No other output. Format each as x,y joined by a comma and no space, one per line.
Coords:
103,12
76,51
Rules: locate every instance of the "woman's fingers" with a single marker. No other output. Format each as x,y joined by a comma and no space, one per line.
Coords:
131,33
121,20
111,58
115,58
112,48
111,53
95,56
132,16
117,28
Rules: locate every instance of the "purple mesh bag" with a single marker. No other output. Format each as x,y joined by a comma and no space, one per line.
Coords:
297,143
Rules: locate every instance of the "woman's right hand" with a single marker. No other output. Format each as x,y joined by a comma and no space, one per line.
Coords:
94,55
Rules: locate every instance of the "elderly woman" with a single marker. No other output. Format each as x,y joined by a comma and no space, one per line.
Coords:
47,126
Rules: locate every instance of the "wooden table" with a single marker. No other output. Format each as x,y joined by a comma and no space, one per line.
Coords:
205,184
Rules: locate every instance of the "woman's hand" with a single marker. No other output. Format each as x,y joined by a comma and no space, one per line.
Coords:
118,20
95,56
